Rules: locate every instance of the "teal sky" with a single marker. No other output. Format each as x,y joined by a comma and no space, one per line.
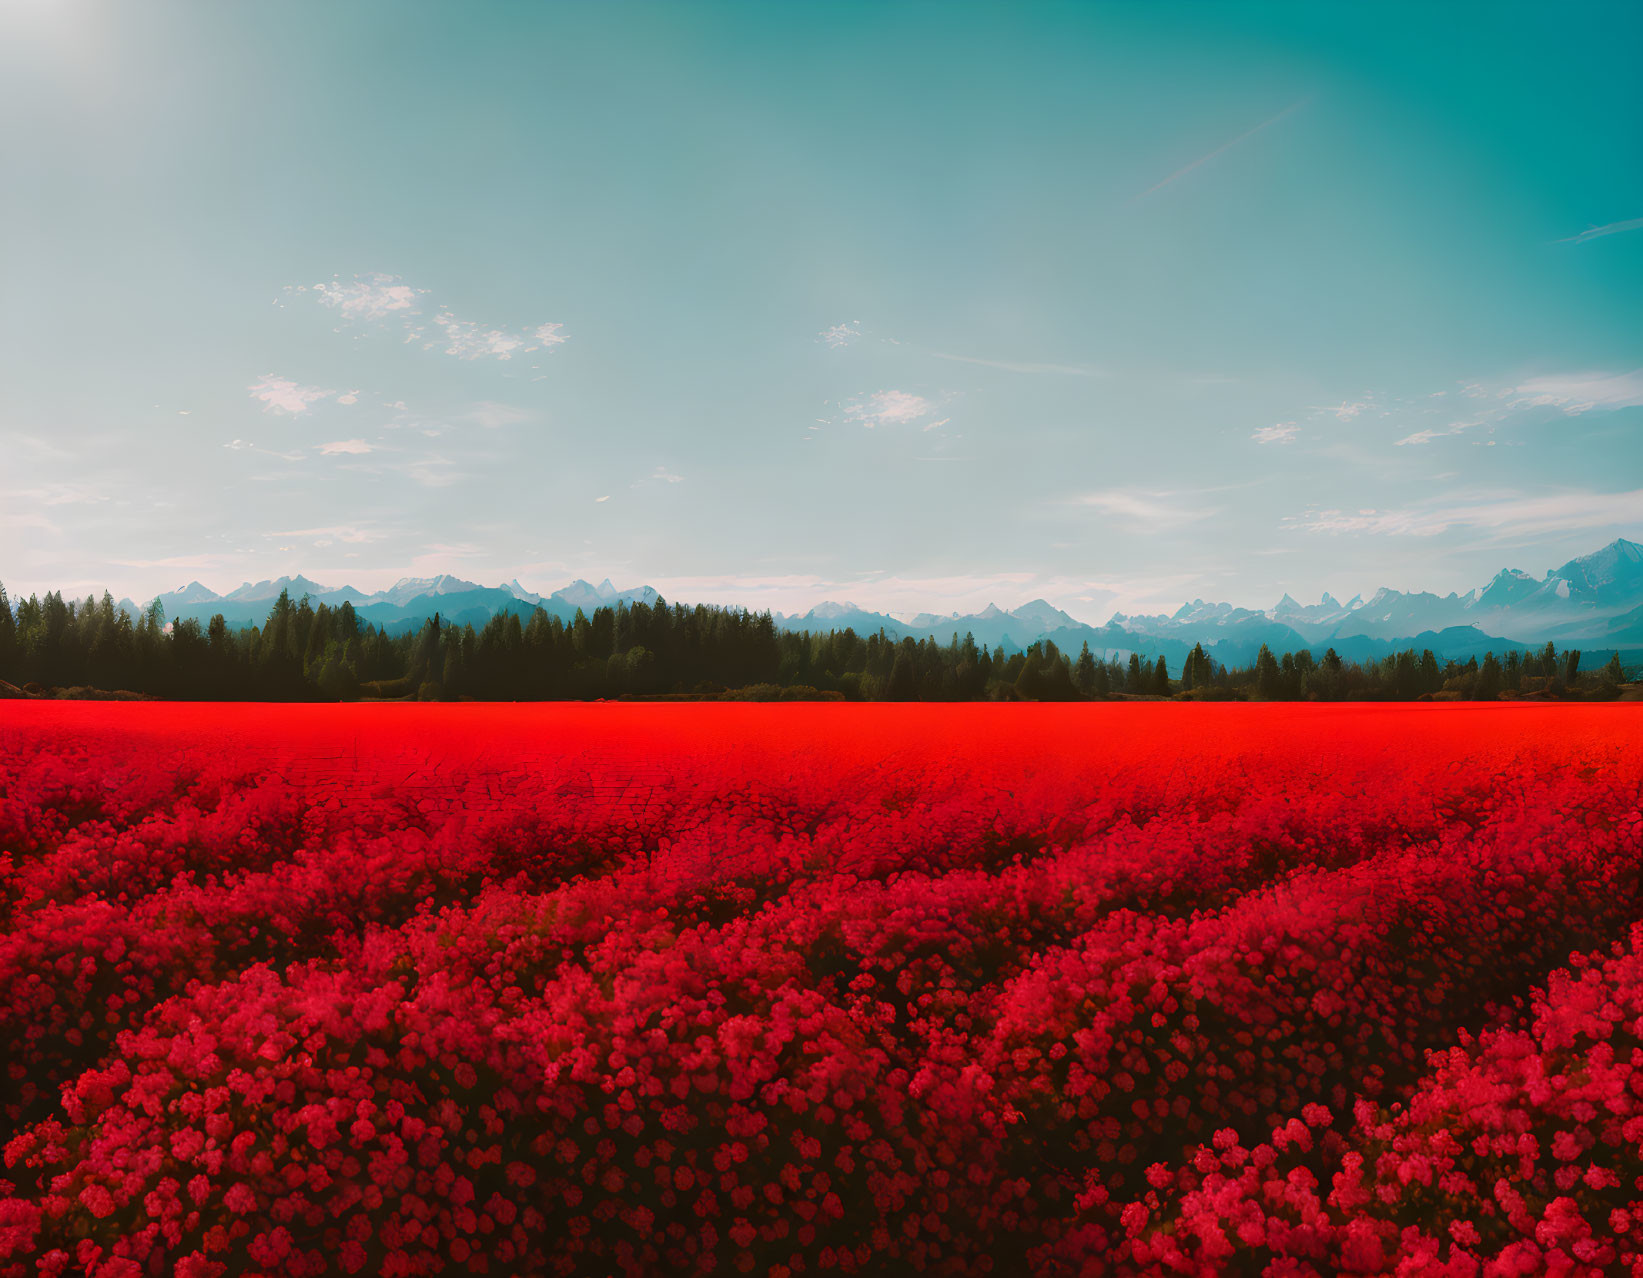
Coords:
920,306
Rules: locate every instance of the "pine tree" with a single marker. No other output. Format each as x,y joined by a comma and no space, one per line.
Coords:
1266,675
1084,674
1431,678
1195,671
903,685
8,635
1487,685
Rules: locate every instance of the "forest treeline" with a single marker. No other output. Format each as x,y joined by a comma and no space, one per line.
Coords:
307,652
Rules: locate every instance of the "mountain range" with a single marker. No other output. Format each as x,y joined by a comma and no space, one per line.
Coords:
405,605
1594,601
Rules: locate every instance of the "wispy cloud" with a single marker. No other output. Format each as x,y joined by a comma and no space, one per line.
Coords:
189,563
246,446
1576,393
492,414
841,335
467,340
282,395
1611,228
661,475
353,534
437,557
1158,511
1555,512
1438,432
56,494
1222,149
346,447
1347,409
368,297
433,471
1424,418
40,446
889,408
1282,433
378,299
1023,366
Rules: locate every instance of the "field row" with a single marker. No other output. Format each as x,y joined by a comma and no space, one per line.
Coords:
800,989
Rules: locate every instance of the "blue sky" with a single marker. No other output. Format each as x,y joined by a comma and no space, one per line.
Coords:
920,306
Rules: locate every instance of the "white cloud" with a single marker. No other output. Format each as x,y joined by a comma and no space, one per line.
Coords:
1514,512
351,397
370,297
841,335
346,447
1576,393
246,446
889,408
606,497
282,395
1611,228
1282,433
1346,410
1427,436
378,298
467,340
1155,510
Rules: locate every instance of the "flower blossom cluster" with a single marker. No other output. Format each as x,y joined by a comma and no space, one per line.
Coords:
795,990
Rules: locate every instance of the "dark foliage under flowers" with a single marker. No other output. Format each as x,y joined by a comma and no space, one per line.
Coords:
784,990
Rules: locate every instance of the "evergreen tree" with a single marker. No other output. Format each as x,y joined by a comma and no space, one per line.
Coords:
1084,673
1266,675
903,685
1487,687
1195,671
8,633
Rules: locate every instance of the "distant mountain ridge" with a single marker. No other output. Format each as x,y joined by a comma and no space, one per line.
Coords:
405,605
1595,600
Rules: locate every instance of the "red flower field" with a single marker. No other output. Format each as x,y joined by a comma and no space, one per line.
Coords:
796,989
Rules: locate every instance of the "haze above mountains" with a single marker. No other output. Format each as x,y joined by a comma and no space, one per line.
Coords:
1594,601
